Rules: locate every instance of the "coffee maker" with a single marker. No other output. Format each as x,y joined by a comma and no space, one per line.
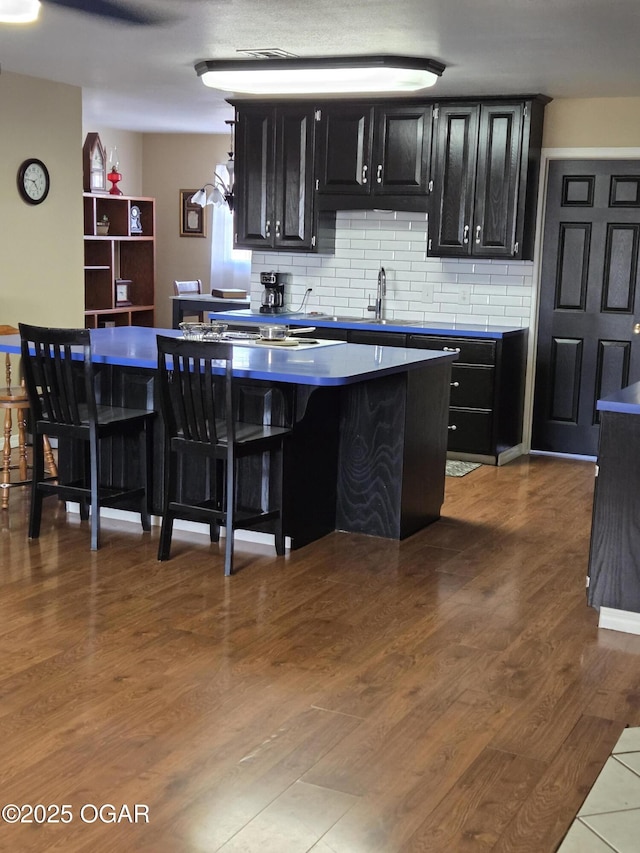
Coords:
273,294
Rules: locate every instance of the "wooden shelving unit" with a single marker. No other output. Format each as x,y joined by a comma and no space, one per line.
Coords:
119,255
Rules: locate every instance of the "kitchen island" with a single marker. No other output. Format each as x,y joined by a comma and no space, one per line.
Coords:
614,559
368,446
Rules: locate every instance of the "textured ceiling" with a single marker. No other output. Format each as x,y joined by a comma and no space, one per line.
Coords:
142,77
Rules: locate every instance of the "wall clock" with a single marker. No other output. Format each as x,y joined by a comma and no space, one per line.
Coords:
33,181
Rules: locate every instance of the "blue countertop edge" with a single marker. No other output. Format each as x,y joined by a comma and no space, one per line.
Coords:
336,364
625,401
462,330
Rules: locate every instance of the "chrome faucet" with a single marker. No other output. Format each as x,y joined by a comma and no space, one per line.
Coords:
380,294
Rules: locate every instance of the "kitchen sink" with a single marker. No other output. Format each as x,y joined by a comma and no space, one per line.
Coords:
395,322
336,318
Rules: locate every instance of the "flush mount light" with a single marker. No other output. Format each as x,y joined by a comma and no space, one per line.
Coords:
18,11
325,75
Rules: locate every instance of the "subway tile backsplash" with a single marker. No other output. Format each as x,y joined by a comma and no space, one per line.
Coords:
418,288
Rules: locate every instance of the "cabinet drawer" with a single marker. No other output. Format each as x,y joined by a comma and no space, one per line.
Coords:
472,432
472,387
471,350
383,339
327,334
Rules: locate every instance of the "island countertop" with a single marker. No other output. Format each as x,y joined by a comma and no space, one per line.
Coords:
326,363
626,401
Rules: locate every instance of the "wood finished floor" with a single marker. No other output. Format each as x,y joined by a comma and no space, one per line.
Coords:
448,693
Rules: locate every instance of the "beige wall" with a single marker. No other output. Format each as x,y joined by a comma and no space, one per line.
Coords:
592,123
172,162
41,254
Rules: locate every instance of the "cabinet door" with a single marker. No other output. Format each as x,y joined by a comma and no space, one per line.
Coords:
454,169
497,180
344,149
293,184
254,227
401,150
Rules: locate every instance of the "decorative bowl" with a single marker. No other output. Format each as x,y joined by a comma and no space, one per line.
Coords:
193,331
203,331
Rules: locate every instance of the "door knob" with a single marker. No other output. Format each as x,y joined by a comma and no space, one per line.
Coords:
636,328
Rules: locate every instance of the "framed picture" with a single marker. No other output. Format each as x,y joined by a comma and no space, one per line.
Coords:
191,216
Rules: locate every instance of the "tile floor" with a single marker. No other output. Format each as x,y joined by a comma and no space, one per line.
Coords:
609,818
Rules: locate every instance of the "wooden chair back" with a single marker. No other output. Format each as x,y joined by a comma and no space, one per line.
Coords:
195,405
56,393
184,288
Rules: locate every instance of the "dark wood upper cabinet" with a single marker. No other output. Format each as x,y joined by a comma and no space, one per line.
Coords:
402,150
274,188
485,171
473,166
367,151
344,149
455,154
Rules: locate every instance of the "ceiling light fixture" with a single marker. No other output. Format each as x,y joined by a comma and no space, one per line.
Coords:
18,11
324,75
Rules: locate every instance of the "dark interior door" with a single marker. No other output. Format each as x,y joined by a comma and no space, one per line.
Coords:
589,301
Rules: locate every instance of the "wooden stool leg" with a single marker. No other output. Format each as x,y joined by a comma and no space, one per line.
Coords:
22,444
49,461
6,460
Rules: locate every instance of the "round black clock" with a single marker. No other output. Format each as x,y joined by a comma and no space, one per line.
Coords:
33,181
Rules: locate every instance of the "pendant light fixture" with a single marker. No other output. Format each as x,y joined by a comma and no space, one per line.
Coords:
221,189
324,75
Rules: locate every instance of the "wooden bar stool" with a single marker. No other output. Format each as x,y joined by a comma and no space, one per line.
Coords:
15,399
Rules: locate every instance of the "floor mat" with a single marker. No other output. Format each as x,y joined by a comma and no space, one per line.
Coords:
456,468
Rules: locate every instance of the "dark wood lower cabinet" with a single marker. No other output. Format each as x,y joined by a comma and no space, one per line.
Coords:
614,561
487,389
487,393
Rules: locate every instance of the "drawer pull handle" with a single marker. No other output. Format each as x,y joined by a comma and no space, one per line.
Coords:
451,349
465,234
452,427
364,174
455,384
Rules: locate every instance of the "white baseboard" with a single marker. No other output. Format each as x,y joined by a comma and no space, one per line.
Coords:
182,524
619,620
564,455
